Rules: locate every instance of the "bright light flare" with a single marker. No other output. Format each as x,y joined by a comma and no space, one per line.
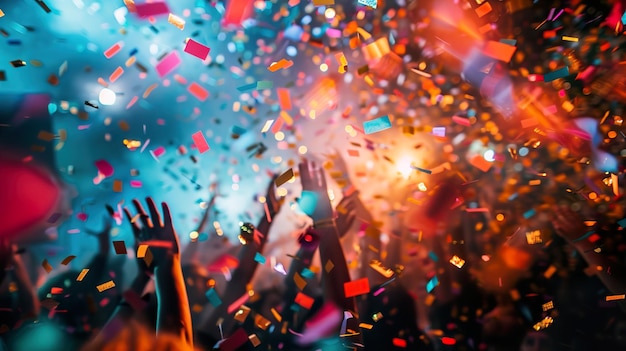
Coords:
404,167
107,97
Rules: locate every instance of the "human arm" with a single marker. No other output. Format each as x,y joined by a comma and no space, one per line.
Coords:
333,280
568,225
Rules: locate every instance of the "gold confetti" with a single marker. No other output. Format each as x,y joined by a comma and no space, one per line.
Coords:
616,297
82,275
105,286
457,261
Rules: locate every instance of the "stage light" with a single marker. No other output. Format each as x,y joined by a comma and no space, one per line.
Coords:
107,97
330,13
489,156
404,167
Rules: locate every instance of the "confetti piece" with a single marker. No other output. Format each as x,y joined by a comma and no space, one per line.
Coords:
254,340
259,258
247,87
117,186
116,74
300,282
235,341
240,301
213,298
113,50
196,49
120,247
550,272
308,202
18,63
377,125
479,162
82,275
46,266
547,306
566,38
200,142
499,51
304,300
323,2
237,11
43,6
554,75
67,260
461,120
329,266
446,340
264,84
432,284
142,250
483,9
281,64
168,64
365,326
149,90
150,9
284,99
106,286
439,131
399,342
267,126
284,178
370,3
615,297
356,287
198,91
104,168
1,13
176,21
242,314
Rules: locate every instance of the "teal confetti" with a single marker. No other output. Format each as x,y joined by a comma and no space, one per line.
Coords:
376,125
432,284
214,299
259,258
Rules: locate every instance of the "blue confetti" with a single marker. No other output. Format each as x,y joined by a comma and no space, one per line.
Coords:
554,75
377,125
432,284
259,258
214,299
530,213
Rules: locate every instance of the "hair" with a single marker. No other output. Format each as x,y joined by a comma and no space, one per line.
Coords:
133,336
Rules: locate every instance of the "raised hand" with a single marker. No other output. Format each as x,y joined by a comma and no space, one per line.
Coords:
273,203
568,225
104,235
346,213
313,180
158,232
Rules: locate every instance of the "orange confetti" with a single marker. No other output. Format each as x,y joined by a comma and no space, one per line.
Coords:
116,74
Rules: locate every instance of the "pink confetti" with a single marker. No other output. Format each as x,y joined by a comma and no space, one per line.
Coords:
158,152
196,49
104,168
135,183
200,141
149,9
168,64
82,216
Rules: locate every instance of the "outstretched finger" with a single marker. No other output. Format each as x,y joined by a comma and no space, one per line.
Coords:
133,223
167,215
305,174
154,213
145,219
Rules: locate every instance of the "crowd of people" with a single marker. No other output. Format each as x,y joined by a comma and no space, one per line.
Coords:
422,281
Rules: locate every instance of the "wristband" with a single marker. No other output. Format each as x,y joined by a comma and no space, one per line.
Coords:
324,223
